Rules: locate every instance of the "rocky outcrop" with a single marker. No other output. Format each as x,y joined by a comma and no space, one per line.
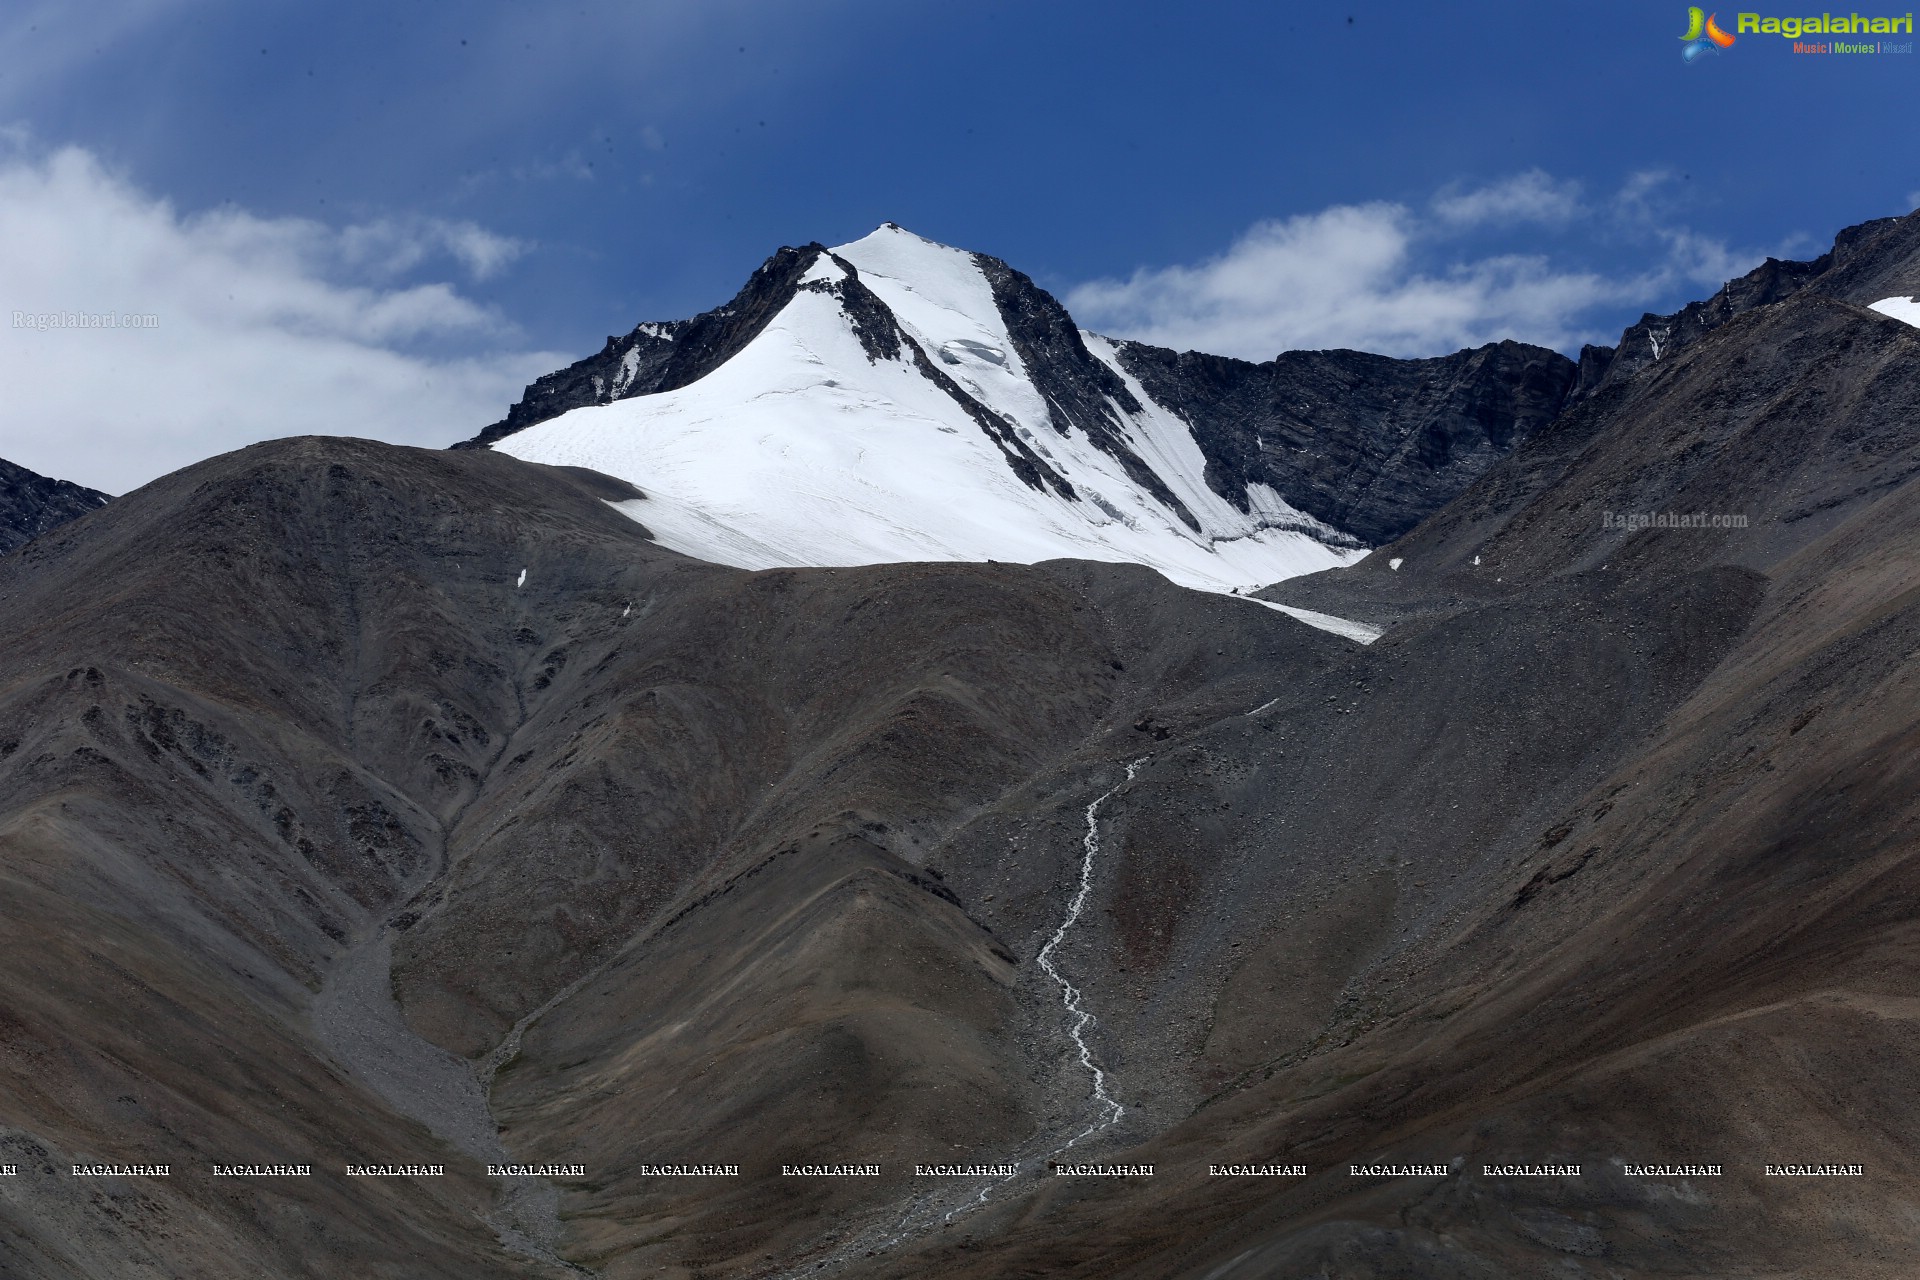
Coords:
660,355
31,504
1368,444
1868,262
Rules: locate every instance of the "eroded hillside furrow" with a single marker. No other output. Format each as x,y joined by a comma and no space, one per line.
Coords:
357,1018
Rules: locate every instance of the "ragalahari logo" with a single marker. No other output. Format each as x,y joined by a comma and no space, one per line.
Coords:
1703,33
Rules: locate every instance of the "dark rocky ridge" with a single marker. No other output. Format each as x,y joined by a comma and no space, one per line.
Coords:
1080,391
1368,444
31,504
1869,262
660,356
1391,439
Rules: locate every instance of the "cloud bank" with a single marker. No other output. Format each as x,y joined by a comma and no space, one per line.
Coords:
251,327
1390,278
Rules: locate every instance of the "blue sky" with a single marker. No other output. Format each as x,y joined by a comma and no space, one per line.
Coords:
383,219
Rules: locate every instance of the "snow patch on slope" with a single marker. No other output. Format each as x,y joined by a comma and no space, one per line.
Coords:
1907,309
1326,622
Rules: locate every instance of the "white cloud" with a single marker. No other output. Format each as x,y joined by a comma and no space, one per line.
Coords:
1913,200
1700,260
1371,277
263,327
1533,196
1343,277
1639,197
395,245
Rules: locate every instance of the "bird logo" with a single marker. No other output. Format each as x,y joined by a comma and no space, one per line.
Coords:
1703,34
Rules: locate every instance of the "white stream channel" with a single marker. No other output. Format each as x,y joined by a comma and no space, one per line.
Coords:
1107,1106
1107,1109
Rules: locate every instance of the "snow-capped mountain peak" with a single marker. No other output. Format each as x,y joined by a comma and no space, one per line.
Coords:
895,399
905,401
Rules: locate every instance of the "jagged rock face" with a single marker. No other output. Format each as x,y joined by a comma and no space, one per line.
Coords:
1385,441
1081,393
1256,469
31,504
662,356
1874,260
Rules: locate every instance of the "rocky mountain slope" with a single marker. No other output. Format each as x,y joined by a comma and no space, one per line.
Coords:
31,504
365,805
1867,263
374,720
